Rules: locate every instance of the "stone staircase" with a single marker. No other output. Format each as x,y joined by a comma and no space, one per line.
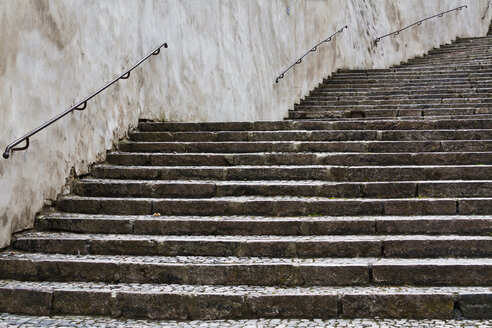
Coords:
374,199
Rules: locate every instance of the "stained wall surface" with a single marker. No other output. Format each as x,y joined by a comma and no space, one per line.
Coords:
221,65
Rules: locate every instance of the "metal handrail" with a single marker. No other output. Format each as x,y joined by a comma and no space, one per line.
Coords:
81,105
419,22
486,9
328,39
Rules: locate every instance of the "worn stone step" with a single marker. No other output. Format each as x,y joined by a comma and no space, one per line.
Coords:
410,84
410,75
469,45
470,122
455,102
362,111
305,158
467,48
371,146
450,65
438,109
314,135
276,206
452,57
466,86
394,71
358,98
202,189
421,118
200,270
486,78
396,92
468,67
296,172
390,110
205,302
389,246
263,225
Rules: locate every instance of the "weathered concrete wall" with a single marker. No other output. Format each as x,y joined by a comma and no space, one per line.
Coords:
221,65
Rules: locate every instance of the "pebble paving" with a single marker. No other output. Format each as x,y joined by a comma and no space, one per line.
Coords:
12,320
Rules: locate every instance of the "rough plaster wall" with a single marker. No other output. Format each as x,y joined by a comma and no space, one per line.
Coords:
221,65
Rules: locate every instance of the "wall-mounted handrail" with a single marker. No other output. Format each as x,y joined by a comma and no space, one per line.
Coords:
313,49
81,105
486,9
419,22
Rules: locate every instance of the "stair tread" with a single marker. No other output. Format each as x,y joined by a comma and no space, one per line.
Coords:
162,167
245,238
90,180
67,216
236,290
247,261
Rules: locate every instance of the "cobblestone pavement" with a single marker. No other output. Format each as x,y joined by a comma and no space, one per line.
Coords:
12,320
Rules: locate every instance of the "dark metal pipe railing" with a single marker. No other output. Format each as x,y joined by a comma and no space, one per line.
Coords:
81,105
486,9
419,22
313,49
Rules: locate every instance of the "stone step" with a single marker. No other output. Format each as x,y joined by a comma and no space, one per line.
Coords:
424,79
395,70
230,271
448,65
358,97
409,84
464,53
206,302
450,58
440,104
296,172
369,146
228,159
391,76
470,122
395,73
397,92
389,89
445,67
388,246
261,225
362,111
354,118
474,46
451,67
392,110
205,189
416,100
313,135
470,43
275,206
